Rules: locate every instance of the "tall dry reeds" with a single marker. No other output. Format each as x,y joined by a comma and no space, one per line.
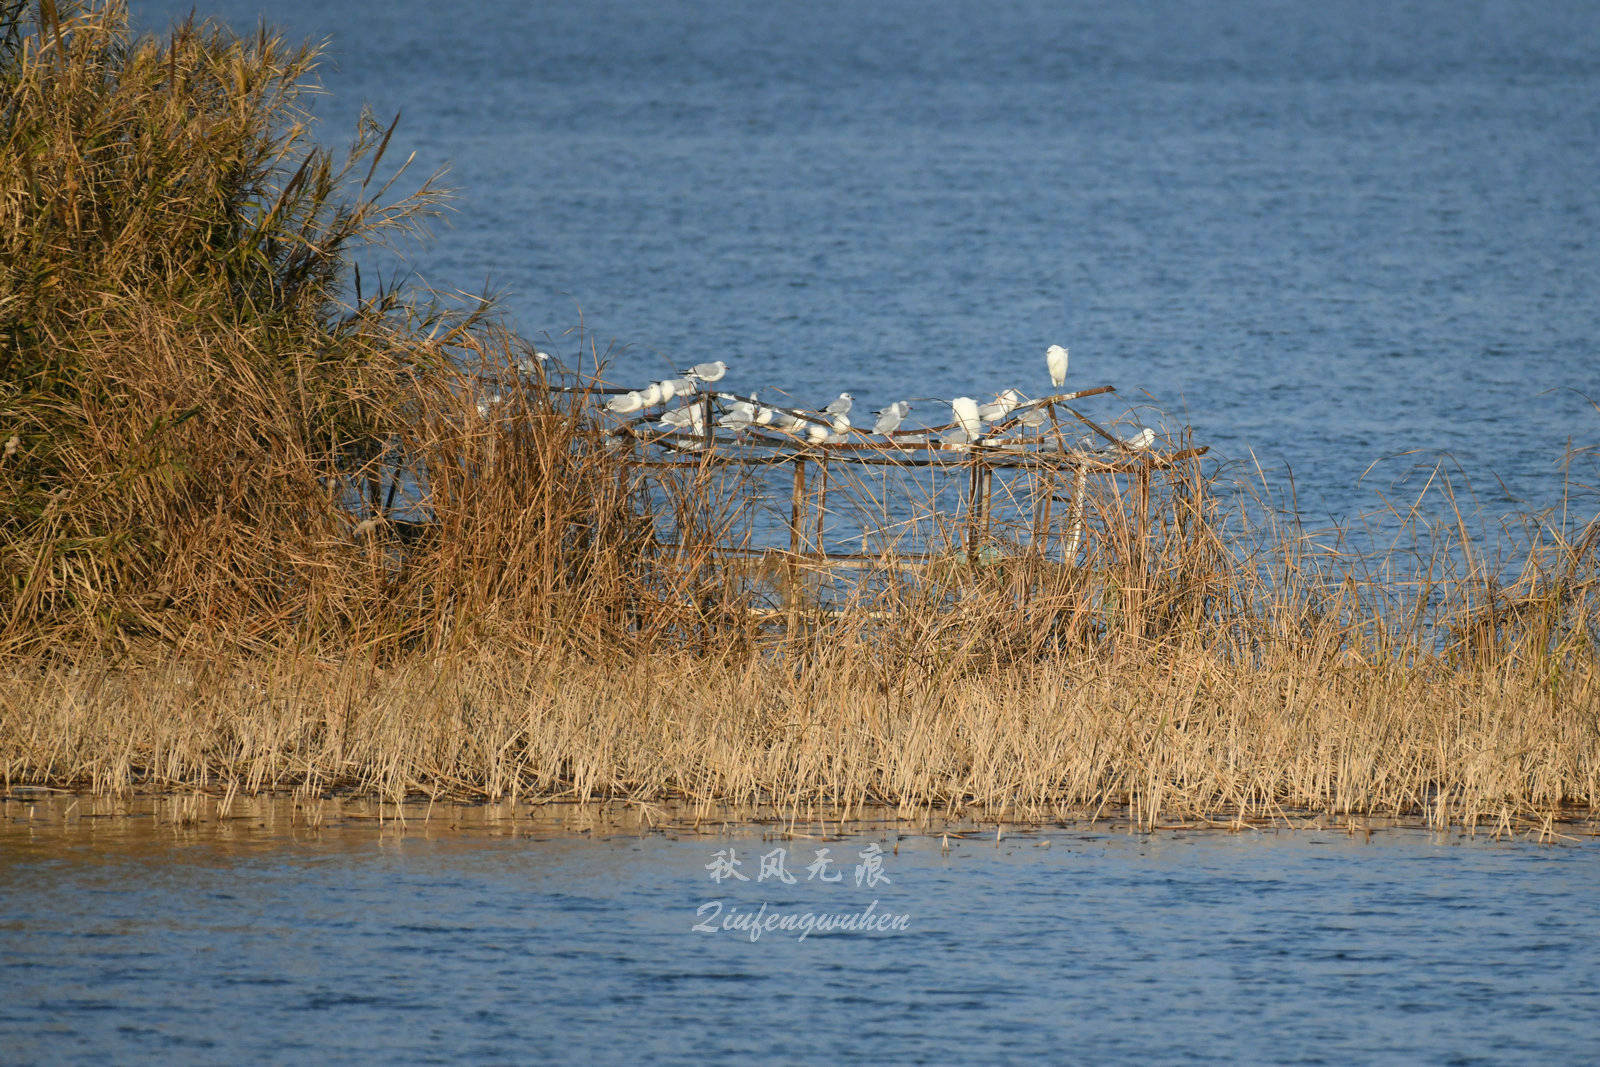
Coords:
260,529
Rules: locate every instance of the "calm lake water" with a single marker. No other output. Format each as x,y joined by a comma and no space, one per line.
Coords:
1328,233
132,939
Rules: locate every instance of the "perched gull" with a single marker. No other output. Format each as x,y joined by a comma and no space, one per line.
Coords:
668,389
706,372
652,395
686,418
1034,417
965,410
889,418
782,420
841,423
840,406
626,404
1000,406
1141,440
1055,357
956,438
737,421
817,433
540,361
680,386
741,413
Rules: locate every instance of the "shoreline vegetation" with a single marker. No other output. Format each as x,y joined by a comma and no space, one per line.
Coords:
206,587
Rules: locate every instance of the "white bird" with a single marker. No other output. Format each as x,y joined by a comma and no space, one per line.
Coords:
626,404
956,438
765,415
737,421
667,388
889,418
1141,440
1055,357
817,433
841,424
691,417
487,403
1034,417
782,420
1000,406
681,386
741,413
540,360
965,410
840,406
652,395
706,372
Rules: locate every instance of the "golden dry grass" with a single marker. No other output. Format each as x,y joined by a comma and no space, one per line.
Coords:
1182,735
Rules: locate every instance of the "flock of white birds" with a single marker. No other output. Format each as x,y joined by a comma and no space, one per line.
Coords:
970,421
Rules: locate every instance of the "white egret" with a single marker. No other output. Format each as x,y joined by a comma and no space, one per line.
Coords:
840,406
1055,357
965,410
706,372
626,404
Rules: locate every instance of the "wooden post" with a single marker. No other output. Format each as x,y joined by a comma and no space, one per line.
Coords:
988,498
707,428
822,505
1142,485
1041,507
1080,484
797,505
974,505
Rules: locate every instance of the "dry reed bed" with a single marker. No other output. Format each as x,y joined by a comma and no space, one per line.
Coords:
1180,736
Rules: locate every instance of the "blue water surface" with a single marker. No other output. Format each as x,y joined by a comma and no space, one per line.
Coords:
140,942
1327,235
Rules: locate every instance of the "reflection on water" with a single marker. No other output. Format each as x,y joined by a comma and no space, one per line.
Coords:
572,933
